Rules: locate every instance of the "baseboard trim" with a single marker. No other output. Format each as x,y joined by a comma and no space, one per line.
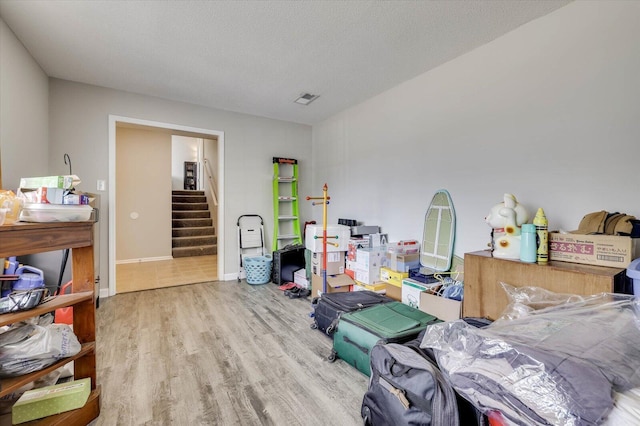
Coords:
104,293
144,259
231,277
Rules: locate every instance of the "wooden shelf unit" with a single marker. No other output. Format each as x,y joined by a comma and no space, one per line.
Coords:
483,273
29,238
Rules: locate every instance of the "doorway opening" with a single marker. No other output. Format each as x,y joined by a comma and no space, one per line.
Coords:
125,217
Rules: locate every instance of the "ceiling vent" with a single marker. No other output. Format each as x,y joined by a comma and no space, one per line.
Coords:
306,99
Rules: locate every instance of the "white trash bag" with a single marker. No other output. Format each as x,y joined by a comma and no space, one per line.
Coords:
32,347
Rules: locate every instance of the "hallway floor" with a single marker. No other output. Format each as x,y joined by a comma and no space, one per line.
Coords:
165,273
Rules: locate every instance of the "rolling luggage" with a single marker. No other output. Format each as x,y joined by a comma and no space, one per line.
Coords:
330,306
359,331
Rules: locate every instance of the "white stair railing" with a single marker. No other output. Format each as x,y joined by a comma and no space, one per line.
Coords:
212,183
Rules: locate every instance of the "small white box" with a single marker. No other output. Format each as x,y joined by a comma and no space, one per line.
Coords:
300,278
370,257
411,290
368,276
313,238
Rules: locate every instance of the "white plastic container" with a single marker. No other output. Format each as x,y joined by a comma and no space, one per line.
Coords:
633,272
313,238
55,213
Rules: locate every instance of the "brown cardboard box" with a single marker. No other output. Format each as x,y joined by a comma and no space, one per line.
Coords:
335,284
335,263
440,307
393,291
600,250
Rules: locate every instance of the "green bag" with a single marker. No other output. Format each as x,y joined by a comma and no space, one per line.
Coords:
359,331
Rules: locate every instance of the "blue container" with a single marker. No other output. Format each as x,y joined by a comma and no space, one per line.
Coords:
528,243
633,272
258,269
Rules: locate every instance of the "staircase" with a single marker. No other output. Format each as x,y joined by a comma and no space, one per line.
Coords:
193,233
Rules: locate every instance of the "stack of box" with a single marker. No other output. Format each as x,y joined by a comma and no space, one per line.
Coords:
353,245
51,190
53,199
399,258
368,263
337,244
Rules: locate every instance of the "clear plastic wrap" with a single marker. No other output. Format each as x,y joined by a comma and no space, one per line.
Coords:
557,365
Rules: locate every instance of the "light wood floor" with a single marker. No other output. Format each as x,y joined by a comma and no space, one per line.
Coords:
219,353
165,273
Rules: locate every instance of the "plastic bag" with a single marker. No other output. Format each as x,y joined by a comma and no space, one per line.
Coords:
554,365
33,347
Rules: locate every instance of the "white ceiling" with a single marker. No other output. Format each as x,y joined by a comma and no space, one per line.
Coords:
257,57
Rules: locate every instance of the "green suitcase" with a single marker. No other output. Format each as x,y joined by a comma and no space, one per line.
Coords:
359,331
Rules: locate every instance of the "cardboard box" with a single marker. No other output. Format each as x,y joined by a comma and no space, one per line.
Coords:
44,195
600,250
300,278
335,284
364,230
440,307
313,238
368,276
391,276
393,291
402,262
380,288
50,400
64,182
411,290
371,258
335,263
352,248
404,247
377,240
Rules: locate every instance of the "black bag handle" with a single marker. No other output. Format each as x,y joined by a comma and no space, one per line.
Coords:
362,349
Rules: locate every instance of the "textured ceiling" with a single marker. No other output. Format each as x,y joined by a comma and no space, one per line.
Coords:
257,57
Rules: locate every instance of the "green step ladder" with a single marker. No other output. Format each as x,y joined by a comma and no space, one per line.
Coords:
286,228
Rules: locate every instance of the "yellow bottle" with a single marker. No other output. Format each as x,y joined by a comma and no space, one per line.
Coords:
542,231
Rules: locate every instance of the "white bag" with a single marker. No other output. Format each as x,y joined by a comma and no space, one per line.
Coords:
41,347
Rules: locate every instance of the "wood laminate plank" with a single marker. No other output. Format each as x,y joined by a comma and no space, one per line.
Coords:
221,353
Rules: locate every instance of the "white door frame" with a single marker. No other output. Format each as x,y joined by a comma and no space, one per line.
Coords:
113,120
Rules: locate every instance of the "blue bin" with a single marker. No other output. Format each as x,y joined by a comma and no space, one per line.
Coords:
633,272
258,269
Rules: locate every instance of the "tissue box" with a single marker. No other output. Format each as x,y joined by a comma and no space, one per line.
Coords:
50,400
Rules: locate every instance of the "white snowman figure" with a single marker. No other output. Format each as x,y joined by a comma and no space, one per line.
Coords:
506,219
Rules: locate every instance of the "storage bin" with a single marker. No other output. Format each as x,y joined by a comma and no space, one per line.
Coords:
633,272
258,269
33,212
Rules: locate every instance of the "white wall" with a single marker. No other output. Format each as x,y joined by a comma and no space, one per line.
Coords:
24,109
549,112
79,126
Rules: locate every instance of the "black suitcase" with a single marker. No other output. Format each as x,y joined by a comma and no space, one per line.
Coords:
329,307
